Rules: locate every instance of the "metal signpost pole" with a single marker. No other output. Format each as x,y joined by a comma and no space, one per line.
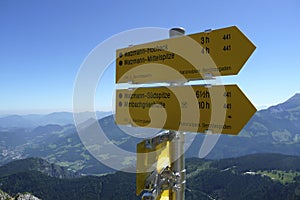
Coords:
178,166
177,145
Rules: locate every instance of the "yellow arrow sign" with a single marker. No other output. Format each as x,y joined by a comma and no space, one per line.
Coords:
215,109
216,53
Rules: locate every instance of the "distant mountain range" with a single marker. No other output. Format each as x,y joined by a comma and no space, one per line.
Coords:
273,130
35,120
258,176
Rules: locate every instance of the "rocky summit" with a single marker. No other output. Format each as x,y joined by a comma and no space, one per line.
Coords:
19,196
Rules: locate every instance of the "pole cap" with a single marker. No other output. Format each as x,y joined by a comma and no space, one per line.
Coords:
175,32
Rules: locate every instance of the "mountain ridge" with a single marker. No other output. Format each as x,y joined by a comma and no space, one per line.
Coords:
35,120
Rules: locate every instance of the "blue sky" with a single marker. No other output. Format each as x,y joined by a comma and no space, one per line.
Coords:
43,44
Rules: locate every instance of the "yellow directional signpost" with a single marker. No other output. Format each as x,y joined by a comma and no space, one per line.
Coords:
217,109
217,53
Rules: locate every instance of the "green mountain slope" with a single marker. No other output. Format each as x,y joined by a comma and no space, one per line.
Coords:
37,164
258,176
248,177
116,186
